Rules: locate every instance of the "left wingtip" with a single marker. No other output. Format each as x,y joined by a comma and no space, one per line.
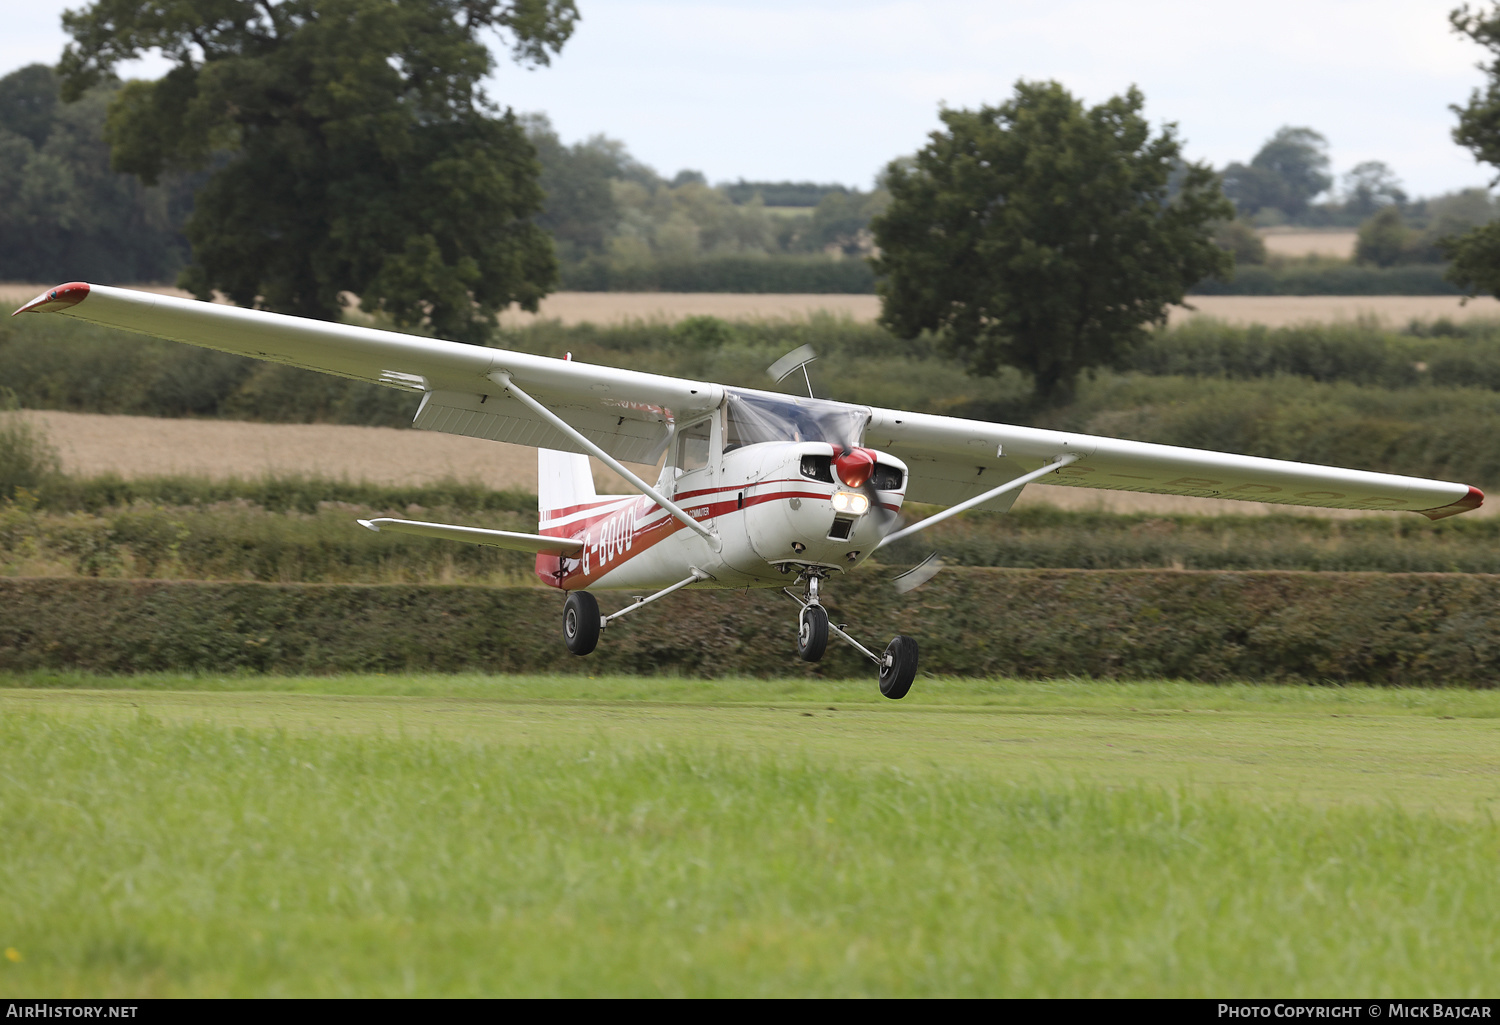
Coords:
59,298
1473,500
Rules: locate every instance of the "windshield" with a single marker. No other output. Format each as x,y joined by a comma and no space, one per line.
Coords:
761,416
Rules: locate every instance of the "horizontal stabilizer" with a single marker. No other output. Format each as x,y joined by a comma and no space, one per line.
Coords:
508,539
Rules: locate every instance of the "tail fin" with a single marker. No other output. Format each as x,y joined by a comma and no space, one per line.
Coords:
563,479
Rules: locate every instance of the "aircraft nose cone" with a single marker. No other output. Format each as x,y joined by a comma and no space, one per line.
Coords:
855,466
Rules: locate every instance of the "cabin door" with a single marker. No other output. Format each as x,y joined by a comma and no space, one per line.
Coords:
696,460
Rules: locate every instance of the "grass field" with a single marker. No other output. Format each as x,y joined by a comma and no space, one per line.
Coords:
529,836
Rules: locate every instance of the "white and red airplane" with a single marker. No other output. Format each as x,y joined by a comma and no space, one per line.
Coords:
756,486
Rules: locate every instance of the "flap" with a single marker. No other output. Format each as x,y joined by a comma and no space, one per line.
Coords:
629,432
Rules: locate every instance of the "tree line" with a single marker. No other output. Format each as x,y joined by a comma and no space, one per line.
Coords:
611,214
1281,183
63,211
349,146
66,211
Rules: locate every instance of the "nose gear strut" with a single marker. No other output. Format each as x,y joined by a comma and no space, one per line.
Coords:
897,665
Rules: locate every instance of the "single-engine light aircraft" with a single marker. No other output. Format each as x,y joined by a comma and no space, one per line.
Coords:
757,487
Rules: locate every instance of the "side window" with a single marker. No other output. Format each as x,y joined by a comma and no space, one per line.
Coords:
692,447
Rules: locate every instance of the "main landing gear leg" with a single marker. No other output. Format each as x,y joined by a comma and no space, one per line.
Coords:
582,623
897,666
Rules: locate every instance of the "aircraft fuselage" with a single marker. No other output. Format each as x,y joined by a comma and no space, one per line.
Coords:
770,505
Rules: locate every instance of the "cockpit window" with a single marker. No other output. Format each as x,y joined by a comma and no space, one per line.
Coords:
763,416
692,447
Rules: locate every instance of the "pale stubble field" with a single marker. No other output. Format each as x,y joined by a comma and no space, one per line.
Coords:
668,307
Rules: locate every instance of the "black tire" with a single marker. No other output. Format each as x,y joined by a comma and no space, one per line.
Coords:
899,667
581,623
812,633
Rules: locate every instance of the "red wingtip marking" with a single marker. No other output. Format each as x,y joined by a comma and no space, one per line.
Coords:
59,298
1473,500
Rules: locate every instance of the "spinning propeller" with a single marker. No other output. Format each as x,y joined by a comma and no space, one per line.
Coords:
854,467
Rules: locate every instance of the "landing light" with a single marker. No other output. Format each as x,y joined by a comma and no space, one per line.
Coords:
851,502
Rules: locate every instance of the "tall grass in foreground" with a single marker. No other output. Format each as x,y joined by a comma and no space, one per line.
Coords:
243,542
143,859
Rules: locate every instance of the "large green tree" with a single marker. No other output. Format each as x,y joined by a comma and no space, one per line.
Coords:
1475,254
63,212
1287,172
581,211
1045,235
359,152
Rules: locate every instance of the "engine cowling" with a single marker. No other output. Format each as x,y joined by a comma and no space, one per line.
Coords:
806,511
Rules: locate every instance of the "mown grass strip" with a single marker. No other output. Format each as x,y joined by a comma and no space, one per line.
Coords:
994,692
1421,750
147,858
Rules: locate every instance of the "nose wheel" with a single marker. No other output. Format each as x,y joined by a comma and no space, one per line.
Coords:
897,666
812,633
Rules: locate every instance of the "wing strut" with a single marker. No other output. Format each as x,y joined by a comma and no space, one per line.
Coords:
954,510
502,378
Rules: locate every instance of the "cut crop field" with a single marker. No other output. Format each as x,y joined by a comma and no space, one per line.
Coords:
1270,310
94,444
1336,243
473,835
669,307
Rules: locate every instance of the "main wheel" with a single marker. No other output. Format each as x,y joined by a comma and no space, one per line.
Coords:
581,623
899,667
812,633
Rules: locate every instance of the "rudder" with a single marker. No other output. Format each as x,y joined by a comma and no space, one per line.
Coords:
563,479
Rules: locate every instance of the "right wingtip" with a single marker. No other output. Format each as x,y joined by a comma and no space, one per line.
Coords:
369,525
59,298
1473,500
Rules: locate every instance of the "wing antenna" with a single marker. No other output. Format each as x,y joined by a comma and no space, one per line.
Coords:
796,360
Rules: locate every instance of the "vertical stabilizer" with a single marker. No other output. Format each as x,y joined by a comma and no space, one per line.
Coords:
563,479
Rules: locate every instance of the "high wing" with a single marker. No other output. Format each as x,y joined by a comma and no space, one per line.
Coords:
626,413
952,460
629,414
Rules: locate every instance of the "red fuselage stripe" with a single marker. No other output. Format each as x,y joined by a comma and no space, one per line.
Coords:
622,546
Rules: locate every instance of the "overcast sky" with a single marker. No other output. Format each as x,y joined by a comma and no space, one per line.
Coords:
829,90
